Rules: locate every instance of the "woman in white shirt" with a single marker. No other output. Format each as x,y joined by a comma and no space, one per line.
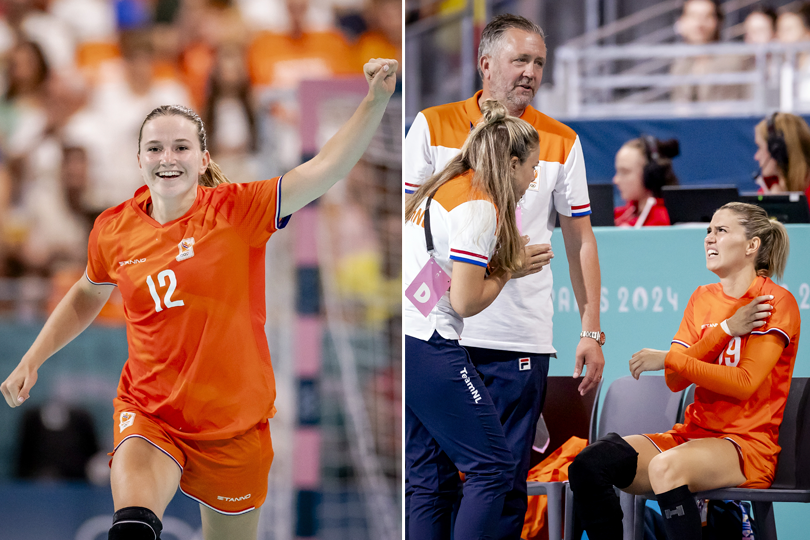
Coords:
460,223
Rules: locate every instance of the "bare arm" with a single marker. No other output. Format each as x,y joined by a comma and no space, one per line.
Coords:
471,290
312,179
74,313
586,280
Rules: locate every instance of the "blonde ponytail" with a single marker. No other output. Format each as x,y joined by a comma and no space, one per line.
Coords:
487,152
774,247
213,176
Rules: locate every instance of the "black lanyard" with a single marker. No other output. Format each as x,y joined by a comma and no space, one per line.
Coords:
428,234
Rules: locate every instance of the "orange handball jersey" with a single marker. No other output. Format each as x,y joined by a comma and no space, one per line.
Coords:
193,292
742,382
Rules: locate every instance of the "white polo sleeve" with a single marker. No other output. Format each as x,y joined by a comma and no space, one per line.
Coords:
571,188
418,163
472,232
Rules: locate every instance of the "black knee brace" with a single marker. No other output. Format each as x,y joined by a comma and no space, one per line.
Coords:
609,459
608,462
135,523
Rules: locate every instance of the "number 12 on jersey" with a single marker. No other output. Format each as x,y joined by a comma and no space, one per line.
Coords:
167,298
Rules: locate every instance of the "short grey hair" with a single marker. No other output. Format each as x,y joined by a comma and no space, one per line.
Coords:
495,30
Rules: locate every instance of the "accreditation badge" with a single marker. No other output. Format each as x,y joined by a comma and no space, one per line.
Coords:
428,287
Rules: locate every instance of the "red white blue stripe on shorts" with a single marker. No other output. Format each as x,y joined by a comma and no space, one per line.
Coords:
468,257
581,210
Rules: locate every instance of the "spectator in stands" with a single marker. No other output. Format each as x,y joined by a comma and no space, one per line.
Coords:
384,36
783,154
760,25
278,62
230,116
33,20
205,26
283,60
27,76
699,24
643,168
114,114
794,27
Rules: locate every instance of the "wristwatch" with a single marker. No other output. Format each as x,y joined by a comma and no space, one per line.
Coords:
599,336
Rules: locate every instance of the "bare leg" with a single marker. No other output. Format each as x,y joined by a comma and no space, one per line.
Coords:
693,466
218,526
646,452
143,475
700,464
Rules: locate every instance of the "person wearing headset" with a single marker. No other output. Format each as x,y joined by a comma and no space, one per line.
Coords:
783,154
643,168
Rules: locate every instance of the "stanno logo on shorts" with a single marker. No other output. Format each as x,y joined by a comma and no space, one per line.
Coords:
127,419
186,247
233,499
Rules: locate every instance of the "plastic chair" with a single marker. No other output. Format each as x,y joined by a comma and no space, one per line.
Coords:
567,414
631,407
792,479
646,405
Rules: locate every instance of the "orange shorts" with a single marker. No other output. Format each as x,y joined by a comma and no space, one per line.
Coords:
756,467
228,476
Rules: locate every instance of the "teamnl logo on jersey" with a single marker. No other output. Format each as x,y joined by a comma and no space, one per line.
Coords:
127,419
186,247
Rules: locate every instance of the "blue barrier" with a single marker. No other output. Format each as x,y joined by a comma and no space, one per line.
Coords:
713,150
59,511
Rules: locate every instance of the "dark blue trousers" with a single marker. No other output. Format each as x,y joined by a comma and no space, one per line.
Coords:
518,389
451,425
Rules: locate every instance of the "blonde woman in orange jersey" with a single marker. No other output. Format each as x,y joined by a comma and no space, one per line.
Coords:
737,342
187,253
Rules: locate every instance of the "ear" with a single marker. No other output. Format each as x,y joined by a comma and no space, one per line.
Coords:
206,159
139,160
483,63
514,163
753,246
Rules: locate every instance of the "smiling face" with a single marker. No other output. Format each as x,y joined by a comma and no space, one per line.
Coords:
767,164
526,172
629,178
512,73
170,157
727,249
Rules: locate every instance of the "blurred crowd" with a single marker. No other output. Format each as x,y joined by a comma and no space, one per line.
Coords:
701,22
77,77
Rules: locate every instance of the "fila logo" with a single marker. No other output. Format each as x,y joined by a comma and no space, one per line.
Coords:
524,364
132,261
677,512
233,499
